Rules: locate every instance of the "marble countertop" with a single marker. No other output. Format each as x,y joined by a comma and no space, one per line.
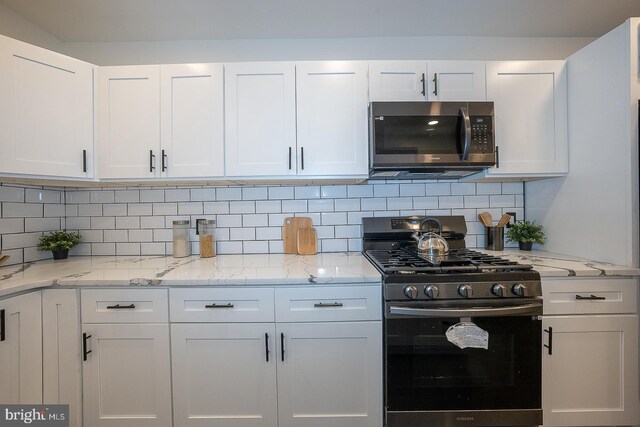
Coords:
260,269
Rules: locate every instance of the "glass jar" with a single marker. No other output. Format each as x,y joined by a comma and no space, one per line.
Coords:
207,238
181,244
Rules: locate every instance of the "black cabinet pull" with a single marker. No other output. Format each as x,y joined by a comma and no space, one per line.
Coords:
332,304
590,298
497,158
85,352
282,346
435,84
289,158
302,157
120,307
266,345
152,162
550,346
424,89
2,325
214,305
84,161
164,162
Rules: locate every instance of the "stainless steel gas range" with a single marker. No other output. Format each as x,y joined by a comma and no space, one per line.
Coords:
462,331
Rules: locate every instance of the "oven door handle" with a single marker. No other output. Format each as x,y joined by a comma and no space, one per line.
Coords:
533,309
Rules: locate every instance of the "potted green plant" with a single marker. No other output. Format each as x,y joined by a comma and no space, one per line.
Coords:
526,233
59,242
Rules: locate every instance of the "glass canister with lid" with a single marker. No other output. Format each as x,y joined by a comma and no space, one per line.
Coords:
181,243
207,238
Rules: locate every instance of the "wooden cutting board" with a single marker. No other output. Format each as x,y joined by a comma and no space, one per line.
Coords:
290,232
3,259
307,241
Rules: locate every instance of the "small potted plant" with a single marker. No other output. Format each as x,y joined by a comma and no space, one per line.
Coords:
58,242
526,233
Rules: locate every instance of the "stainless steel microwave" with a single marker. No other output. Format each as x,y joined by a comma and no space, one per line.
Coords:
412,140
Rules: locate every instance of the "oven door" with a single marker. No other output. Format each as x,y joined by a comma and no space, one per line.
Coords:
431,381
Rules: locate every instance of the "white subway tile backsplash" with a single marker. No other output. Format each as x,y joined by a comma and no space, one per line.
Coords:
333,191
141,235
203,194
78,223
347,205
294,206
101,196
11,194
103,249
92,236
425,203
116,209
216,208
334,218
398,203
276,247
438,189
139,209
33,254
277,219
103,223
165,209
163,235
190,208
90,210
177,195
244,207
255,247
229,248
355,245
414,190
82,249
254,193
280,193
41,224
512,188
116,235
450,202
315,217
229,221
356,217
71,210
152,222
42,196
127,196
54,211
373,204
386,190
127,222
355,191
132,249
325,231
77,197
233,193
22,210
488,188
268,206
255,220
476,201
321,205
307,192
463,189
11,225
152,196
347,231
335,245
502,201
242,233
268,233
152,248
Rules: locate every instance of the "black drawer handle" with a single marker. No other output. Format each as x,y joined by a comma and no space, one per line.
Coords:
282,346
550,346
2,325
590,298
120,307
85,352
214,305
324,305
84,160
266,345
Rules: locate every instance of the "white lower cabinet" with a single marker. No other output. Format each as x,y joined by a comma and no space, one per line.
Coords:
590,361
21,349
330,374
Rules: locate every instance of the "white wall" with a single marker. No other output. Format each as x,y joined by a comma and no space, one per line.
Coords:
15,26
593,212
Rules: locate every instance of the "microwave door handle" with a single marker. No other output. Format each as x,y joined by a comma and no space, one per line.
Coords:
533,309
466,147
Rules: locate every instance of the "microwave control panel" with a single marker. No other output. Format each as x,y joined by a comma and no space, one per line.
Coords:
481,135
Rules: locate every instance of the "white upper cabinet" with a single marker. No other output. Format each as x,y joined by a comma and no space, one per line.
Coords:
427,81
129,121
260,119
192,135
161,121
332,118
530,118
46,112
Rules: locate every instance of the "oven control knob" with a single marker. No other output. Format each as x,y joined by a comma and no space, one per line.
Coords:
498,290
465,291
431,291
520,290
411,292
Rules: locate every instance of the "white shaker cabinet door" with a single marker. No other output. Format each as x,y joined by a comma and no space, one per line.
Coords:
46,112
397,81
260,119
330,374
530,117
21,349
192,120
126,375
332,118
129,121
224,375
591,376
456,81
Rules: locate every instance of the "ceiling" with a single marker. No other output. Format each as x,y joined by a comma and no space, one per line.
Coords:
166,20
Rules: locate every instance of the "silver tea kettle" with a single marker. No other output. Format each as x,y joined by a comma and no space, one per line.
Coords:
429,242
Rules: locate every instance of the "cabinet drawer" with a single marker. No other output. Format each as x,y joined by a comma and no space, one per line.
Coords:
328,304
221,305
124,306
589,296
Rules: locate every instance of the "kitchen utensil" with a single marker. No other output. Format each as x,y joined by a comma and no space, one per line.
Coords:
290,232
494,238
504,220
3,259
307,241
485,219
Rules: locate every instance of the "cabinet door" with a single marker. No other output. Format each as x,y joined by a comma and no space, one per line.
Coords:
260,119
530,117
129,121
21,349
332,118
126,377
591,377
46,112
397,80
456,81
224,375
61,363
330,374
192,120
